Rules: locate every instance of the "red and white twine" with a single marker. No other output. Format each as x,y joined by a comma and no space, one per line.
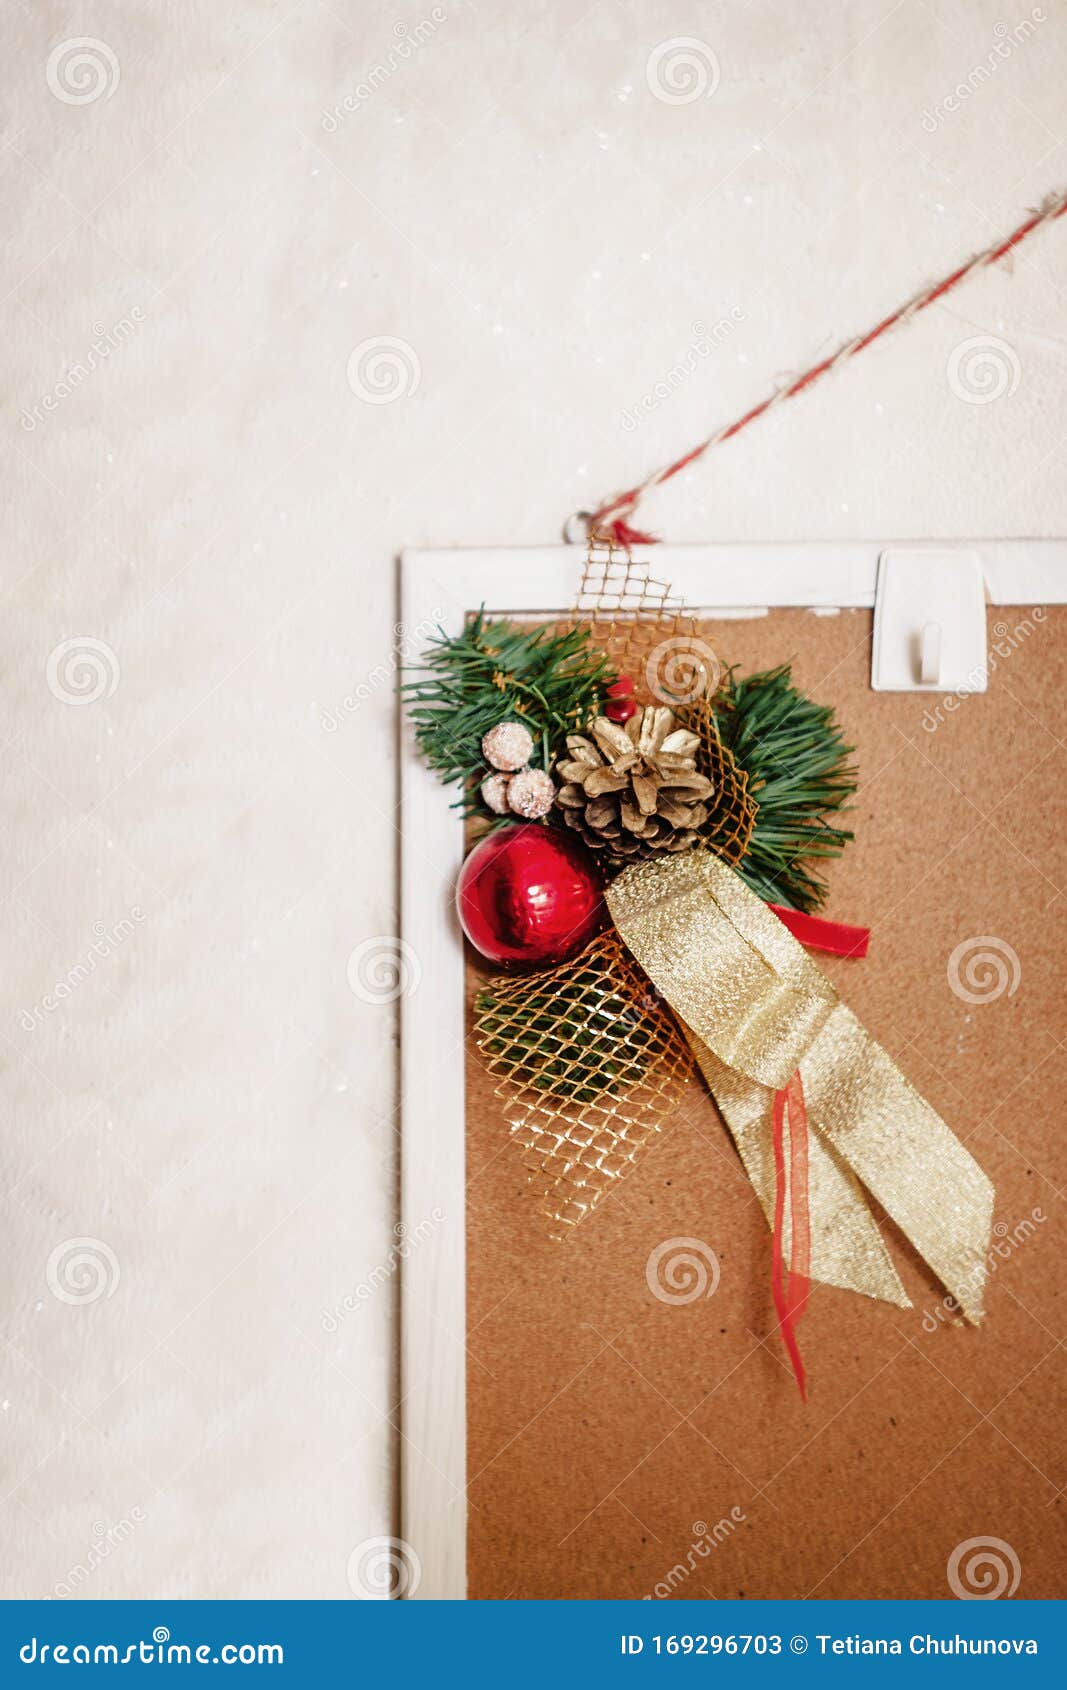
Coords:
612,517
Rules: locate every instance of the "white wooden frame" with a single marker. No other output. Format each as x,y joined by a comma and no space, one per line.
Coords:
441,588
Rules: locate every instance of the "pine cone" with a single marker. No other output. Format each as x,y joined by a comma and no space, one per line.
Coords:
632,791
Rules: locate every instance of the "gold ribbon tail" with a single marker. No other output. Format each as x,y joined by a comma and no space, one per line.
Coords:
756,1008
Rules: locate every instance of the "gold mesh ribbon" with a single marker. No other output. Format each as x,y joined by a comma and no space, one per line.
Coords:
589,1064
580,1119
731,809
755,1008
631,616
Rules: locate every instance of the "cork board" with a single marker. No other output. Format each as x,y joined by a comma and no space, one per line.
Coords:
623,1447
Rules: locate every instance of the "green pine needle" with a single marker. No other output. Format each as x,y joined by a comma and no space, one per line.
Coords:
494,672
800,776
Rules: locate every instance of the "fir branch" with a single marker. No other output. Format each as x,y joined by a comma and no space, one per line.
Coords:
800,776
494,672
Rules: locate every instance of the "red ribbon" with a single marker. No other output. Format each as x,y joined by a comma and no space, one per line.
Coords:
790,1283
837,938
623,535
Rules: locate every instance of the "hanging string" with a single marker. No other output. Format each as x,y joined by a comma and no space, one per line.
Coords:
613,517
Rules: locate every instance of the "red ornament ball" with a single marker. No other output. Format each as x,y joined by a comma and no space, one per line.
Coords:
530,894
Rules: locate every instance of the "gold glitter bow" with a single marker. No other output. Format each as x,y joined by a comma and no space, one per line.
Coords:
755,1009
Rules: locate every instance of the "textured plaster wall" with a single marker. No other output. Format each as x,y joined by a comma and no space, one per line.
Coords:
209,209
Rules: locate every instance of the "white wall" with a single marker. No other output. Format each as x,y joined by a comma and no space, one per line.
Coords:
212,512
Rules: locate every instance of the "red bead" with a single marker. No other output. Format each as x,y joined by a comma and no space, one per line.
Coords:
530,894
621,688
620,710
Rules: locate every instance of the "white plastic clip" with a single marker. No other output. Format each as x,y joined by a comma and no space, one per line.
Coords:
929,621
930,654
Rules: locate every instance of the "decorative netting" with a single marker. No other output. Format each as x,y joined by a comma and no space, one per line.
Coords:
635,619
733,810
589,1062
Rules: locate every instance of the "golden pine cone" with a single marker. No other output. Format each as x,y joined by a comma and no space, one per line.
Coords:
634,791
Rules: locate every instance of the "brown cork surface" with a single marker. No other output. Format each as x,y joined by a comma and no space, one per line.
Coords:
619,1446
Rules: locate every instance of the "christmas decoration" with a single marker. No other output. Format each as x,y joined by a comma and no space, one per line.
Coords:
669,890
549,682
633,791
508,746
494,790
531,793
530,894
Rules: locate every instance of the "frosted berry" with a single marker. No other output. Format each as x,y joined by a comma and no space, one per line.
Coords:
508,746
531,793
495,794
